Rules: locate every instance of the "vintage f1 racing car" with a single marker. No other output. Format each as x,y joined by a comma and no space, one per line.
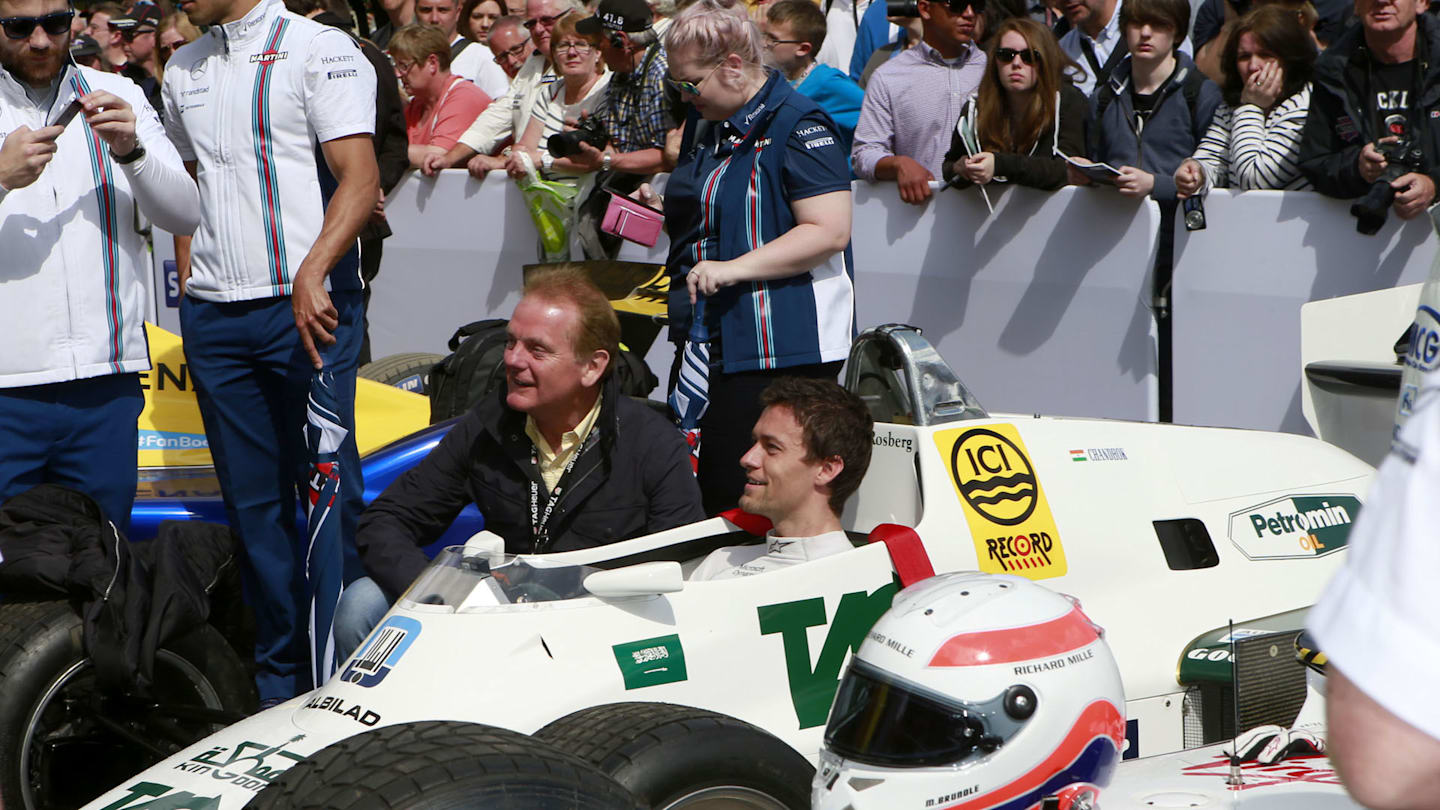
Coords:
1165,533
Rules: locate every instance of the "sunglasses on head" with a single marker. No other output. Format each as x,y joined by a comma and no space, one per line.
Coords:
1007,55
22,27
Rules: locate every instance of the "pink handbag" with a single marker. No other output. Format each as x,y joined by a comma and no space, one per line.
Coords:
633,220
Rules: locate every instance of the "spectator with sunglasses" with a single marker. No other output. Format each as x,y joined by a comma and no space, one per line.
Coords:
1025,116
913,100
505,119
794,31
142,59
72,319
758,211
175,30
1152,113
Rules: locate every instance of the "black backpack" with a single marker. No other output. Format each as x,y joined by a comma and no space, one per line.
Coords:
476,364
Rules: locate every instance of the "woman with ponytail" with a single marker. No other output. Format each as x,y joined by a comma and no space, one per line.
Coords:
1026,114
758,211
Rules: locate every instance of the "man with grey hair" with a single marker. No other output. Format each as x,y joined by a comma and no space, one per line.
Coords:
507,116
511,44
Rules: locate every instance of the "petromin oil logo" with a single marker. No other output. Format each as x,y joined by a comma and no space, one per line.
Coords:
1294,526
1004,504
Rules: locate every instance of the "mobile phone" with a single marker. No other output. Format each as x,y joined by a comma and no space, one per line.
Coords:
69,113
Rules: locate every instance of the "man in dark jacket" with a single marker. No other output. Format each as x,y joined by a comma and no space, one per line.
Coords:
557,460
1378,83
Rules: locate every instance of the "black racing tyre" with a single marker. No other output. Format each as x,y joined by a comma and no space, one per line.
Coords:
441,765
681,757
409,371
63,743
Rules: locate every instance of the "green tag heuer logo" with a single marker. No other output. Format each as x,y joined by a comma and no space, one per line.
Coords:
651,662
1294,526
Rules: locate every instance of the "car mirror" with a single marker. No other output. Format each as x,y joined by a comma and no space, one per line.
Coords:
484,546
645,579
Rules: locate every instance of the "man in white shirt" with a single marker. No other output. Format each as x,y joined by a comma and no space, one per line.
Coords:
468,59
506,117
812,447
74,304
274,114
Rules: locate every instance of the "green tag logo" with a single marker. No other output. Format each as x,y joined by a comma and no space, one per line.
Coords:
813,690
1294,526
651,662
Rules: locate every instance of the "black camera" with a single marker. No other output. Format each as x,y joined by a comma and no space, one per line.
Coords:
902,8
1402,156
1194,208
567,143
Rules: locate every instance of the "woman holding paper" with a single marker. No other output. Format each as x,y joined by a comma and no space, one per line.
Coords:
1026,117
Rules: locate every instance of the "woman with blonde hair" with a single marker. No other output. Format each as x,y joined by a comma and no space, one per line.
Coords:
1025,115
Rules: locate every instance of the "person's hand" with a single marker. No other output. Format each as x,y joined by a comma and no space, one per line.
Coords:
647,195
112,119
1134,182
480,165
708,278
377,215
1074,176
433,163
913,180
1263,89
514,167
979,169
1371,162
1189,178
588,159
1413,194
25,154
315,316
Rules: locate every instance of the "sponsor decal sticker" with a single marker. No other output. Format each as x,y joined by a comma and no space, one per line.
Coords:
355,712
332,60
382,651
888,439
250,765
1313,768
651,662
269,56
170,440
155,796
1424,340
1005,506
1294,526
819,142
342,74
946,798
1099,454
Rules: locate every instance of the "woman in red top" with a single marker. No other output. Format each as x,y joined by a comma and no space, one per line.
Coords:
442,105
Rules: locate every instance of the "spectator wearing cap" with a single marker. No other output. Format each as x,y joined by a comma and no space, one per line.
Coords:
794,31
142,58
112,47
638,111
86,52
506,119
914,100
442,105
469,60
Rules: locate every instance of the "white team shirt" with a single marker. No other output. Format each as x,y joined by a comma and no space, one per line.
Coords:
250,102
731,562
1377,619
74,304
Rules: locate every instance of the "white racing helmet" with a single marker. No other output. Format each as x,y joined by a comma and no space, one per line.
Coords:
974,692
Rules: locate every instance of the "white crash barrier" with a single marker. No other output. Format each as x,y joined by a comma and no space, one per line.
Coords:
1042,306
1238,289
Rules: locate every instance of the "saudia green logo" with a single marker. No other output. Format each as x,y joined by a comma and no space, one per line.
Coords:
812,689
651,662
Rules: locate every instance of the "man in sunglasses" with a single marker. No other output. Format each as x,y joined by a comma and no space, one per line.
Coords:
71,318
507,116
913,101
142,58
274,114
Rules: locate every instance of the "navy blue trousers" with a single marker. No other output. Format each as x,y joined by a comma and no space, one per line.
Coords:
80,433
252,379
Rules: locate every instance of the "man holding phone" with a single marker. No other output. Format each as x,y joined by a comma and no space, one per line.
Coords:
79,151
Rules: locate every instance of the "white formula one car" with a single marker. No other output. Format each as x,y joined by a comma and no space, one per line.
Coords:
1165,533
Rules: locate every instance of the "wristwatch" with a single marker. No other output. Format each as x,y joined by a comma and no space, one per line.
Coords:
134,154
606,160
546,160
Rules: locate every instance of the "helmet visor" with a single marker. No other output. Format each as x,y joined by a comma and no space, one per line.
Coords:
879,719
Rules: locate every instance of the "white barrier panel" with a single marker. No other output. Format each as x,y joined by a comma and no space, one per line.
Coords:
1238,289
1041,307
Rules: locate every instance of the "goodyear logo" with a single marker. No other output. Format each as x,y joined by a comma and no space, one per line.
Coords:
1294,526
1009,519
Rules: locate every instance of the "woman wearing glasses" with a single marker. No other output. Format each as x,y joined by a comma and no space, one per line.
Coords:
576,57
758,211
1254,141
1026,114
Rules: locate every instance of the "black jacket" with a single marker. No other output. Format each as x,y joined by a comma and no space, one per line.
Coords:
632,477
1040,167
133,598
1340,123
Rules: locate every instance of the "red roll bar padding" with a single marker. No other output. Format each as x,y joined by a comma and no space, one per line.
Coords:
907,553
754,524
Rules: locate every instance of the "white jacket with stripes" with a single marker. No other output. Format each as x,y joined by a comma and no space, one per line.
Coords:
1247,149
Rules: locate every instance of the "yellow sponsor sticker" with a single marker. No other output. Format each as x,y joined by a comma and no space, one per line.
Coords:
1004,504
